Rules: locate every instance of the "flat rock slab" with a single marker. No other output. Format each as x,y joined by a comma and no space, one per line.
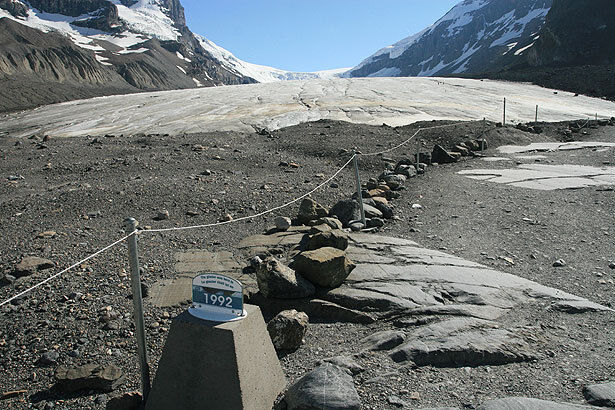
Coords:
394,101
523,403
398,275
553,146
546,177
600,394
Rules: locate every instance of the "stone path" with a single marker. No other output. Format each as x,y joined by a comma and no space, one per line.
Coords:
394,101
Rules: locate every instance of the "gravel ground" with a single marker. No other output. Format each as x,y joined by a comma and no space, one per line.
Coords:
82,188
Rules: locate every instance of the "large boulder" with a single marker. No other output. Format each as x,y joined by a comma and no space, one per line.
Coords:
32,264
333,239
310,210
276,280
327,267
346,210
328,387
287,329
442,156
88,377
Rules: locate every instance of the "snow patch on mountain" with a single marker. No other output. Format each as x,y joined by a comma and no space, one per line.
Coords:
516,27
478,24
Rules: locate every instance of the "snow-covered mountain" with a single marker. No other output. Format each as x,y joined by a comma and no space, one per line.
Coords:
58,50
472,37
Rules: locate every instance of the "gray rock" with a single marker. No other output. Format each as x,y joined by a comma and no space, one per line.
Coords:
162,215
559,263
310,210
335,239
328,387
276,280
32,264
524,403
385,340
326,267
600,394
319,229
345,362
612,265
578,306
408,171
282,223
374,222
385,209
332,311
471,348
334,223
126,401
394,181
287,329
89,377
356,226
371,211
49,358
441,156
345,211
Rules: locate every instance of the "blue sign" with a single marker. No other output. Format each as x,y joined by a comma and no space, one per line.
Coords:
217,298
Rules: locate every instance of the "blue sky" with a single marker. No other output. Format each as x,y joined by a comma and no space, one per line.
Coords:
310,35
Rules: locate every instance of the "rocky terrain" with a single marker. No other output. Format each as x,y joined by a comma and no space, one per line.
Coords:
64,198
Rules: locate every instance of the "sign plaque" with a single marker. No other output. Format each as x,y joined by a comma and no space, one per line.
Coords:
217,298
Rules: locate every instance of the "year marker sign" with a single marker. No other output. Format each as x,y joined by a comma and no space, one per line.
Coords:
217,298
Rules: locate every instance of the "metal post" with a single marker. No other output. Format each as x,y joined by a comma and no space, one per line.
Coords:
504,115
536,117
359,196
418,150
137,302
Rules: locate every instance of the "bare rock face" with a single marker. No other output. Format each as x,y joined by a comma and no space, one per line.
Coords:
287,329
88,377
328,387
310,210
16,9
528,404
327,267
276,280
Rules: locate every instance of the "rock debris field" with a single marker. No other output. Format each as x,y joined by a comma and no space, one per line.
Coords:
460,292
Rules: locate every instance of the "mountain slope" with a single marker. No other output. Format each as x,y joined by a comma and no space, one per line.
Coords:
575,51
469,38
96,47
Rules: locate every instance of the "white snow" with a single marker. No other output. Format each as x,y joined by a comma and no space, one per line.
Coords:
181,57
502,30
181,69
521,50
147,17
386,72
197,82
515,30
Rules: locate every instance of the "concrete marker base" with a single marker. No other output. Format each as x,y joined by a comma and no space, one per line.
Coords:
212,365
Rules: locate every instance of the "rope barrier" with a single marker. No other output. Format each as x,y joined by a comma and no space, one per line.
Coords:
67,269
209,225
268,211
